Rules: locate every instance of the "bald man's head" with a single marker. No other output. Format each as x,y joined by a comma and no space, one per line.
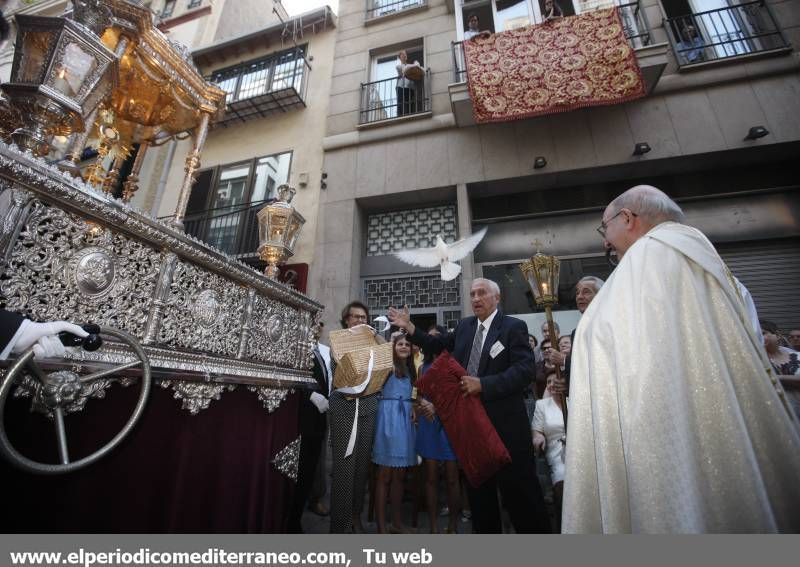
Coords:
652,205
631,215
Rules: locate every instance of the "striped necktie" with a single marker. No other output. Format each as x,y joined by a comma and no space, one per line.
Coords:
475,353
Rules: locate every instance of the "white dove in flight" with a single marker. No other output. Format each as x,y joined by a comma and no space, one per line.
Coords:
443,254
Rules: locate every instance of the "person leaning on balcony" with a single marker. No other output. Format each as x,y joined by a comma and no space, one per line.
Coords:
473,28
552,10
406,88
691,45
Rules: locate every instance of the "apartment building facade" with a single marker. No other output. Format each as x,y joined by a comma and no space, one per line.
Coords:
719,130
277,75
276,68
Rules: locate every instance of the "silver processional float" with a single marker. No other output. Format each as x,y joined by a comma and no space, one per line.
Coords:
171,309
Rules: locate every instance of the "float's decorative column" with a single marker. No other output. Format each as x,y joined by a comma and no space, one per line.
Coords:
131,185
191,167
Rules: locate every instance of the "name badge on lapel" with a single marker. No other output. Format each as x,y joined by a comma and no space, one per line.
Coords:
496,349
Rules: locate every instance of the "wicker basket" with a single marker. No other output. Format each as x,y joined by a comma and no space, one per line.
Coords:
351,350
347,340
414,73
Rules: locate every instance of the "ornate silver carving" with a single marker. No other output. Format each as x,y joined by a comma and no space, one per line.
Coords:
61,269
161,293
287,460
274,327
60,186
248,316
207,307
189,366
196,396
64,389
209,320
92,270
13,202
271,341
92,14
200,312
271,398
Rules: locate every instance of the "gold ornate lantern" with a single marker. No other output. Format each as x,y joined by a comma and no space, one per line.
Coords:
542,273
279,227
61,72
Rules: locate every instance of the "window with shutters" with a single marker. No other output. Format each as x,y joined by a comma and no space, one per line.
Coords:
225,200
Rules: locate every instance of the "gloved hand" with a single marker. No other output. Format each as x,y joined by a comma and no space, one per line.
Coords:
320,401
44,337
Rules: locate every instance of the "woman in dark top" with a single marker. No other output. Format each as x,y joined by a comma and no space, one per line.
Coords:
434,447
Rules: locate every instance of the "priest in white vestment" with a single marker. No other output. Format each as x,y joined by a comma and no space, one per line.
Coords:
677,423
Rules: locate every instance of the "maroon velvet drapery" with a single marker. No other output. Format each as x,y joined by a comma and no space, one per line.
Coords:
175,473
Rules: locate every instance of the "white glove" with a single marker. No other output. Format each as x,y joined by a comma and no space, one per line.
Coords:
320,401
49,346
44,337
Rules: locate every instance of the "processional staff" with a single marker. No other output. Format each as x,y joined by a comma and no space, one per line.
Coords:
542,274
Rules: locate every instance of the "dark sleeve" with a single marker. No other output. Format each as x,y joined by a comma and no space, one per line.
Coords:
9,323
433,344
568,360
514,379
319,377
539,382
5,29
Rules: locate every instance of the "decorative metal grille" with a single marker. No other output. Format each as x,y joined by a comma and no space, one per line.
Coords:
417,228
451,319
421,291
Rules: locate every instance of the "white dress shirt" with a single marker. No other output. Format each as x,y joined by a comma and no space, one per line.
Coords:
486,324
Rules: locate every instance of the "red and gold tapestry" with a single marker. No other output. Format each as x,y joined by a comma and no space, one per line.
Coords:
557,66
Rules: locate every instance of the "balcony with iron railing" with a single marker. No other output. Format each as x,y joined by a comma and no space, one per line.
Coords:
380,8
232,229
270,85
384,101
652,58
725,33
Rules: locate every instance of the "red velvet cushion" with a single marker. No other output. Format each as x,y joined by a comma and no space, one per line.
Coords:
475,441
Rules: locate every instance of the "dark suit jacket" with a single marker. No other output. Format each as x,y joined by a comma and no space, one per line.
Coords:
504,378
9,323
568,360
311,421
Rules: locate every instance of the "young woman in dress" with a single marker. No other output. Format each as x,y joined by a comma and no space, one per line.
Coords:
394,448
434,447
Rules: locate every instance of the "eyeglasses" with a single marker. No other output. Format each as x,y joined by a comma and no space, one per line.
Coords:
357,317
604,225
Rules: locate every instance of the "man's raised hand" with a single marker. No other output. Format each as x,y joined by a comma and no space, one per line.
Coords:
402,319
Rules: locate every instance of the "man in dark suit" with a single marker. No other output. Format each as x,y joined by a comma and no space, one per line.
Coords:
17,334
585,290
495,352
313,426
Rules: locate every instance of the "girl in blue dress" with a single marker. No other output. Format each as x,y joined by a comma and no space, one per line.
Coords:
394,448
434,447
